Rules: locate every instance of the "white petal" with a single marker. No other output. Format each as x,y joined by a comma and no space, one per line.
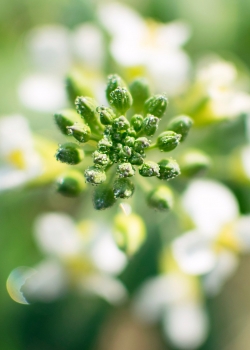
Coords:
242,232
210,205
173,34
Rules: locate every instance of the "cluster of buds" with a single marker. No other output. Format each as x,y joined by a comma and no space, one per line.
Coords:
122,136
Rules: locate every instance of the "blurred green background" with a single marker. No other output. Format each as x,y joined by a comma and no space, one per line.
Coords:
221,26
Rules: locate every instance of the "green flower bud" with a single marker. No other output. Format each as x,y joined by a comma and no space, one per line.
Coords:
107,115
136,122
123,188
150,124
141,143
136,158
69,153
131,132
156,105
75,86
125,170
103,197
65,118
168,140
100,159
108,131
139,89
94,175
121,99
129,141
129,232
104,145
181,125
149,169
86,107
125,153
169,169
121,123
161,198
114,81
71,183
81,132
119,136
194,162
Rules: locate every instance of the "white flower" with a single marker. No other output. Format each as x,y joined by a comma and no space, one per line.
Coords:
156,47
21,162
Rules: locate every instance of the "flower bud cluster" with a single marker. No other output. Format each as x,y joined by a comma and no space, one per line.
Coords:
122,133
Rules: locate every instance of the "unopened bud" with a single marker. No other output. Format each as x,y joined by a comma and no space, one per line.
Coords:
81,132
123,188
168,140
156,105
161,198
86,107
104,145
107,115
181,125
121,123
136,122
100,159
139,89
70,153
194,162
71,183
114,81
121,99
129,141
125,170
103,197
150,124
169,169
129,232
141,143
94,175
149,169
65,118
137,158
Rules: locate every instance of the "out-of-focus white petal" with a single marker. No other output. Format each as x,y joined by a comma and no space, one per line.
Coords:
127,52
186,325
55,234
88,44
42,93
47,283
210,205
106,287
158,292
217,73
242,232
226,265
194,253
121,21
172,35
49,48
106,256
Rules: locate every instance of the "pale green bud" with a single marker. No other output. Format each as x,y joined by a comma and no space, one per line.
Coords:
65,118
75,86
81,132
121,123
70,153
168,140
136,158
150,125
71,183
136,122
94,175
141,143
104,145
129,232
194,162
139,89
181,125
107,115
129,141
114,81
100,159
103,197
161,198
149,169
123,188
86,107
121,99
169,169
156,105
125,170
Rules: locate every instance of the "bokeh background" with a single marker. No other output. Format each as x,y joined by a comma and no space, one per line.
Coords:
75,322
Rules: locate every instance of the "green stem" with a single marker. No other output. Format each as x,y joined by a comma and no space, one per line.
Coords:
153,146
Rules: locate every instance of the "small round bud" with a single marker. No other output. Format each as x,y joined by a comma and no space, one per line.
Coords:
100,159
125,170
94,175
121,123
118,136
136,158
125,153
149,169
123,188
114,81
81,132
65,118
168,140
108,131
141,143
194,162
156,105
139,89
161,198
71,183
121,99
129,141
129,232
86,107
181,125
131,132
103,197
104,145
150,124
169,169
136,122
107,115
69,153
